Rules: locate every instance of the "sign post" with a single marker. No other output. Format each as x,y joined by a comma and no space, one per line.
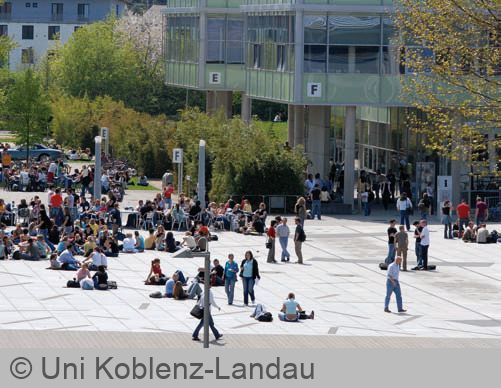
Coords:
177,157
105,135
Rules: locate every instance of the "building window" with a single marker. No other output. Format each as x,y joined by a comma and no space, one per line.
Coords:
117,10
28,56
28,5
57,11
315,58
234,41
76,28
281,57
27,32
215,40
54,32
83,11
35,5
6,10
4,30
257,57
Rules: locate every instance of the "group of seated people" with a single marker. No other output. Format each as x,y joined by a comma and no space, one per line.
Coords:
479,234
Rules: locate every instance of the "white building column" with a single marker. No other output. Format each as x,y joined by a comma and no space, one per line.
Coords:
246,111
349,154
318,139
290,125
299,125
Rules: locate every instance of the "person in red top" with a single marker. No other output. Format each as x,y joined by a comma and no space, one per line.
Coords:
56,200
169,189
463,212
271,235
481,211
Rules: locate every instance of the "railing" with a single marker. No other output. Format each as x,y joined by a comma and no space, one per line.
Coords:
275,203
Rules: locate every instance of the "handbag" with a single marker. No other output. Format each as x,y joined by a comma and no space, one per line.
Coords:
268,244
197,312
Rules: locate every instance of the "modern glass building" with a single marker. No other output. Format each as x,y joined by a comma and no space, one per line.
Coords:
336,63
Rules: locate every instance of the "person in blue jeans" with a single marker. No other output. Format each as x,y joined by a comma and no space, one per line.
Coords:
393,286
249,272
315,202
283,238
404,206
201,304
392,231
230,277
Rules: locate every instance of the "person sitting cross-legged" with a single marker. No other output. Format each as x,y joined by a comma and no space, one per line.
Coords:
291,310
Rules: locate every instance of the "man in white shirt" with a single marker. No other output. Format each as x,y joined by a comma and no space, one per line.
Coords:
283,237
425,244
129,244
404,206
98,258
393,286
201,305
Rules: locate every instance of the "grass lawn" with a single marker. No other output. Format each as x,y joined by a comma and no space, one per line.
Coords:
279,129
142,188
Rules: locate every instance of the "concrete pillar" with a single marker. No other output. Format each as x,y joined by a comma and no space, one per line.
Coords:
456,182
349,154
290,125
299,125
351,59
217,100
246,108
318,139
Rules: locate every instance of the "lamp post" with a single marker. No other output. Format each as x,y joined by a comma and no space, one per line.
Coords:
201,173
97,169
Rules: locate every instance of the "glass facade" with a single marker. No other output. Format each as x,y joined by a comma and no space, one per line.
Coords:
270,43
349,44
225,39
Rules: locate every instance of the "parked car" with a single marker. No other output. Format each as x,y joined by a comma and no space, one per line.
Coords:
37,151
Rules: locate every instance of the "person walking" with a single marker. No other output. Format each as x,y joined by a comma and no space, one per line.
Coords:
404,206
299,238
425,244
402,244
271,235
283,237
201,304
481,211
447,219
392,231
249,272
230,277
393,286
424,206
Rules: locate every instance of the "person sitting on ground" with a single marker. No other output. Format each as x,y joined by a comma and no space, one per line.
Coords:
291,310
155,276
171,245
29,250
68,262
83,273
100,279
143,181
189,241
54,263
469,233
160,238
97,259
169,285
324,195
42,246
129,244
139,242
179,293
111,247
482,234
149,241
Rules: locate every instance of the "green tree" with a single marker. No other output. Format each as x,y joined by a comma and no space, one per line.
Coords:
27,109
452,47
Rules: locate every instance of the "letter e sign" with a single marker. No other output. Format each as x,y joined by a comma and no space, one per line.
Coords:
314,89
214,78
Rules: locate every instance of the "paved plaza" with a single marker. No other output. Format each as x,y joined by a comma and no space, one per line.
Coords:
340,281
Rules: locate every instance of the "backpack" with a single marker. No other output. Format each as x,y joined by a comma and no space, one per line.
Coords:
72,284
265,317
87,284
